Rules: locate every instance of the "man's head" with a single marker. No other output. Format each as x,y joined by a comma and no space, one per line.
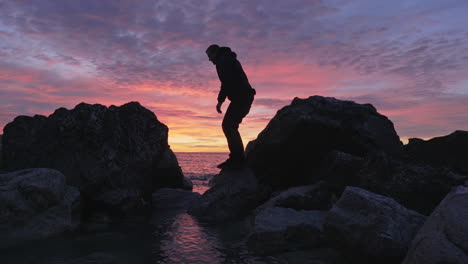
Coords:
212,52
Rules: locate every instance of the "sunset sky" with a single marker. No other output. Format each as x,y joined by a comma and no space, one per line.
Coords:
407,58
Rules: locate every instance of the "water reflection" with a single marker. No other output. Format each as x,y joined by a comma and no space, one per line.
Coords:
181,238
184,241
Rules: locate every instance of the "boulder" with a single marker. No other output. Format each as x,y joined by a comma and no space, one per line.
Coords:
309,197
444,236
321,255
340,169
173,199
234,193
449,151
279,229
419,187
36,204
289,151
169,172
372,225
187,184
116,156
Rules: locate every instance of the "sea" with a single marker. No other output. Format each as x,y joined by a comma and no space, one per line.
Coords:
170,237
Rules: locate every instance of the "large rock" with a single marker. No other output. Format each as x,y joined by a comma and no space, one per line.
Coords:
444,236
372,225
292,219
309,197
419,187
279,229
35,204
290,149
234,193
116,156
449,151
339,170
313,256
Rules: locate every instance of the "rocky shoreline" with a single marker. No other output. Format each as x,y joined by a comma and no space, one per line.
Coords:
334,183
326,179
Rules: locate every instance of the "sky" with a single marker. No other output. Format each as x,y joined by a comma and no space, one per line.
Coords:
409,58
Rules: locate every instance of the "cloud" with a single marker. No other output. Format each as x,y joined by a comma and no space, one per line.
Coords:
408,58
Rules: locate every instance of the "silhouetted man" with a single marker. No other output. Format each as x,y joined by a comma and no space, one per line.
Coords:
236,87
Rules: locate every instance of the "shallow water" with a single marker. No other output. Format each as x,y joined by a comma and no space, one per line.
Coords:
170,237
200,167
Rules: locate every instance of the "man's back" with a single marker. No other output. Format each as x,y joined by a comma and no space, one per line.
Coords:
234,81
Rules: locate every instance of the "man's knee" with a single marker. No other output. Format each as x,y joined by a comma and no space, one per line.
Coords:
229,126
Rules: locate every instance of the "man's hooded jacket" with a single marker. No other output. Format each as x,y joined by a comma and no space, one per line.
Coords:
234,82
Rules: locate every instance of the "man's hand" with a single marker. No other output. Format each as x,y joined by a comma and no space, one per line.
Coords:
218,107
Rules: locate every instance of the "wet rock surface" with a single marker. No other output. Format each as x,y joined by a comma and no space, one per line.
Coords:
234,193
36,204
278,229
315,256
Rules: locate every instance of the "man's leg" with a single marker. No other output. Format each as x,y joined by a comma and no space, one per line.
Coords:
236,111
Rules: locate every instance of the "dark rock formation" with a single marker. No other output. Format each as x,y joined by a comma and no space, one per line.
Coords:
291,220
35,204
339,170
1,154
279,229
449,151
234,193
116,156
289,151
308,197
187,184
444,236
372,225
419,187
173,199
314,256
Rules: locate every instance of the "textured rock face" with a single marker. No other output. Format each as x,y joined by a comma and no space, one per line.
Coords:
444,236
372,224
419,187
111,154
340,169
35,204
289,150
234,194
309,197
449,151
291,220
278,229
314,256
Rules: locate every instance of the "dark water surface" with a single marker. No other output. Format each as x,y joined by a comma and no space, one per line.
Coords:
170,237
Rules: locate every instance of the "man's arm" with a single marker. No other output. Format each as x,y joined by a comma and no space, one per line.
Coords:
221,99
